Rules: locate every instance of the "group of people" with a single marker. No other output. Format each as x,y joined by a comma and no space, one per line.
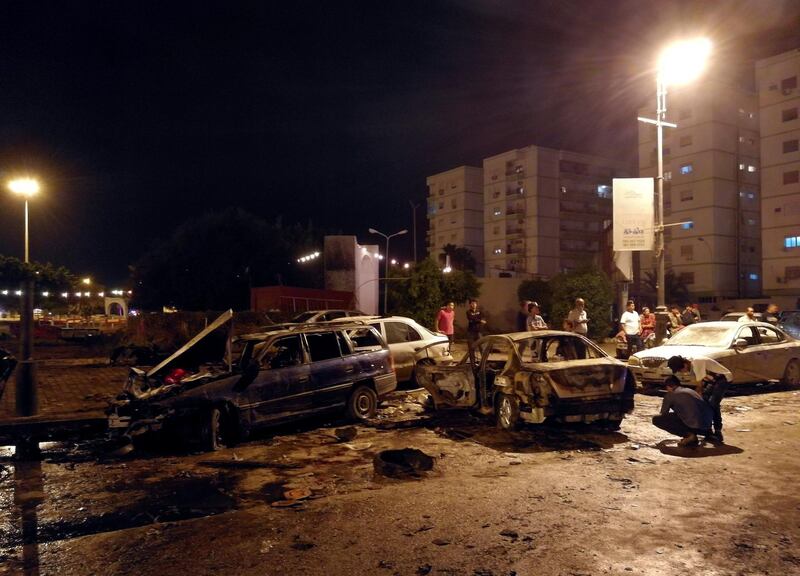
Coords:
638,331
445,322
688,412
529,318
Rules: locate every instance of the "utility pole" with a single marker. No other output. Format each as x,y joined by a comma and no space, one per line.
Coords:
414,226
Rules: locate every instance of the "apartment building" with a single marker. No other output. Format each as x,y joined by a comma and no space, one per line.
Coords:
712,200
455,211
529,212
779,112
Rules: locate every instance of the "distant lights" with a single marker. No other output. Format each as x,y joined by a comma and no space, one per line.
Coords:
48,293
309,257
406,265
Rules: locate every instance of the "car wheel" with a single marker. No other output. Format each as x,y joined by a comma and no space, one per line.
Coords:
423,362
363,403
611,424
213,428
791,376
507,412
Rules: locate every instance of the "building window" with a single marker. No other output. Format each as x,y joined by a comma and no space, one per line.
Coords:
668,175
751,222
498,250
453,203
792,272
789,114
791,242
687,168
520,190
441,191
751,168
789,83
741,166
604,191
687,225
441,205
792,177
687,195
686,140
687,251
790,146
666,151
496,230
753,276
497,211
496,194
685,113
686,277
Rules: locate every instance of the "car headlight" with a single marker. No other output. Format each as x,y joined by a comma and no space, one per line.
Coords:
634,361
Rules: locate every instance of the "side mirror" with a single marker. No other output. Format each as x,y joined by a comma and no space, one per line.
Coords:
740,343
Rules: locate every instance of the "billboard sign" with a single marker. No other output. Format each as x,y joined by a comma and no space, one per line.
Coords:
633,214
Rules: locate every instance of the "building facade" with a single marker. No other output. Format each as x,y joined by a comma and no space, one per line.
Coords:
779,111
455,212
712,194
531,212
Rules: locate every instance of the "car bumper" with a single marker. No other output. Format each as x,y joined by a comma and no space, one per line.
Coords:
385,384
650,377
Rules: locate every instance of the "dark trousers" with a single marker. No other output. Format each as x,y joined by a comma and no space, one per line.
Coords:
713,392
674,425
634,343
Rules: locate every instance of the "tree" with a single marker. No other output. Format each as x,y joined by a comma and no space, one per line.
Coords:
211,262
47,278
421,292
675,289
537,291
594,287
461,258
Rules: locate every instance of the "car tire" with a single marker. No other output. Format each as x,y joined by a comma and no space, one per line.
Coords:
213,437
506,412
791,375
362,404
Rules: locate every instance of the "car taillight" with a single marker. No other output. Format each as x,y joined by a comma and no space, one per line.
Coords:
391,362
175,376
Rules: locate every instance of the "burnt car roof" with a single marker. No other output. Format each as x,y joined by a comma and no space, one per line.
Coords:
301,328
516,336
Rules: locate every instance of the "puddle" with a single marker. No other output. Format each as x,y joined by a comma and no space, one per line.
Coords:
167,501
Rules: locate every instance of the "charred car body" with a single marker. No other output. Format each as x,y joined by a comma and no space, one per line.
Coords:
532,377
277,376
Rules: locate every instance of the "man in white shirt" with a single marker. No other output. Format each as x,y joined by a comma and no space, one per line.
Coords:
749,315
577,316
630,325
712,381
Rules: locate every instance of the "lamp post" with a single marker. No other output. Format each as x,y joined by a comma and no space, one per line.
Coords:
386,258
26,398
678,64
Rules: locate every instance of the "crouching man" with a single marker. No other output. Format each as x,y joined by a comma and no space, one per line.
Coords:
691,415
711,380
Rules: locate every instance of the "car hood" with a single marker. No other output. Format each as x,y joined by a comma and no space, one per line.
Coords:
685,351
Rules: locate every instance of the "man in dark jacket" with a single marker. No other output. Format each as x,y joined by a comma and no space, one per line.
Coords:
690,416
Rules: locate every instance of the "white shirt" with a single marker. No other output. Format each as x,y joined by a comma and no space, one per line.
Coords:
701,366
630,322
746,318
579,320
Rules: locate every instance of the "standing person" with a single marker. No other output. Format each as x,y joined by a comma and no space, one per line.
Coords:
749,315
711,379
690,416
445,322
522,316
475,322
535,321
675,323
696,313
687,316
771,314
579,318
648,321
629,323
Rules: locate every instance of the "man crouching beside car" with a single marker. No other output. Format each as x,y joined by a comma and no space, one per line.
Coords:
691,415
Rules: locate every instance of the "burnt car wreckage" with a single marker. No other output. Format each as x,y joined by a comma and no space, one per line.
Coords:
532,377
280,374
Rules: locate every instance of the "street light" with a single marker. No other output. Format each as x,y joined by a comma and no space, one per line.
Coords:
386,258
26,397
679,63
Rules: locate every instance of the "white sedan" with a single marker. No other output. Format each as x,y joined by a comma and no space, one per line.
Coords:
753,352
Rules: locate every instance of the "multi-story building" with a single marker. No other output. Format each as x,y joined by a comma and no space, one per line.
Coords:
779,110
531,212
711,188
545,210
455,211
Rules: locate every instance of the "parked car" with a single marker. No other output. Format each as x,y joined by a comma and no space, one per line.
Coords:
275,376
410,343
532,377
753,352
734,316
325,315
789,322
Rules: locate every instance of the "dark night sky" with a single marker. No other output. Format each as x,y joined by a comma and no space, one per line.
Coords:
138,116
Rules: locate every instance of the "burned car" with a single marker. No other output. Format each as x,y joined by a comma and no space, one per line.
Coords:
265,378
532,377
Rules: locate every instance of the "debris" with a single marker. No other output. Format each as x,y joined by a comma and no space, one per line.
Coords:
284,503
742,408
386,565
634,446
266,546
301,545
399,463
743,430
297,494
508,533
362,446
248,464
515,462
441,541
788,423
424,528
345,434
424,569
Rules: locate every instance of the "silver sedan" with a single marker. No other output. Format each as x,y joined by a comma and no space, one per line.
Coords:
753,352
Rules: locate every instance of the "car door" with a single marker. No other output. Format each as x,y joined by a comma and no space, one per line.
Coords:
746,363
772,353
403,341
331,374
282,386
451,385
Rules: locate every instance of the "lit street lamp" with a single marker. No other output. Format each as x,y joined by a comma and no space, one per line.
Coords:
386,259
679,63
26,398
